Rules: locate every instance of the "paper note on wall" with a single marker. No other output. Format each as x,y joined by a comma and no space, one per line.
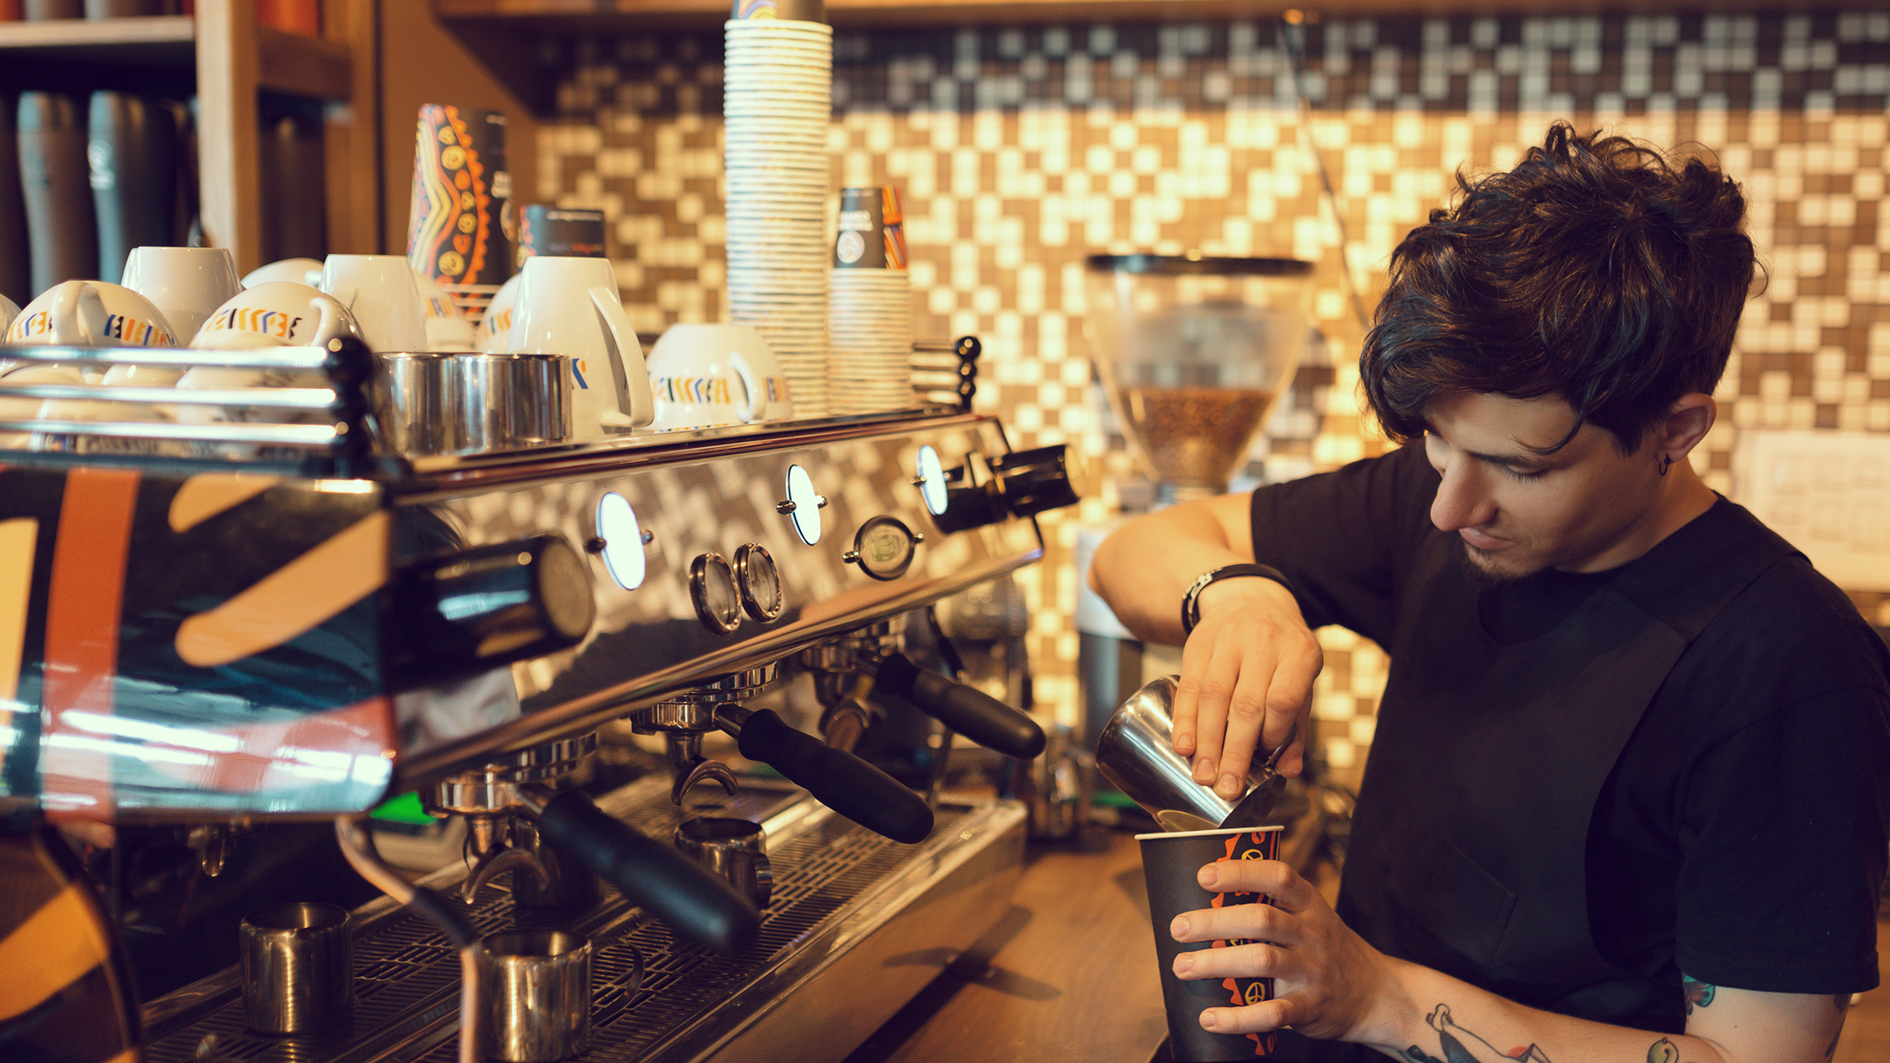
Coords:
1828,493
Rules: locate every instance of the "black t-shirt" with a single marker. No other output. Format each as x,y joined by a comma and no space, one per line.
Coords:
1743,833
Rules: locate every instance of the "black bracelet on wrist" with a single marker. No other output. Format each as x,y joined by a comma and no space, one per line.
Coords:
1191,601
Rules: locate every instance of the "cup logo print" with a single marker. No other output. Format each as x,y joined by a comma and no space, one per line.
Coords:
137,333
37,323
272,323
134,332
696,389
1253,845
872,231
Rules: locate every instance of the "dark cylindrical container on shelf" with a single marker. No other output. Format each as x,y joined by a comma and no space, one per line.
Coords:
60,228
16,263
35,10
123,8
131,146
547,230
294,183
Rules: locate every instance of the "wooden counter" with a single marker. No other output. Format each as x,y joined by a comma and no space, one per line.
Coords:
1067,974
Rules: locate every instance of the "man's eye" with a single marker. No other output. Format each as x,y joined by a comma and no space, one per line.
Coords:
1523,474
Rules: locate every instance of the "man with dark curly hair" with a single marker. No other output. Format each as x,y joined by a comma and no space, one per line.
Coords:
1627,798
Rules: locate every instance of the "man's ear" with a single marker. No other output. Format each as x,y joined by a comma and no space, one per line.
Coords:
1688,421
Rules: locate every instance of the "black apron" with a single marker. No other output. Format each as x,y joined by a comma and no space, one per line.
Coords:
1468,852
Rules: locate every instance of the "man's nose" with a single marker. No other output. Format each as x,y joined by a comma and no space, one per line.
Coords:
1463,498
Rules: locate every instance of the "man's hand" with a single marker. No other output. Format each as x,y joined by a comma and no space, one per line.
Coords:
1247,676
1327,982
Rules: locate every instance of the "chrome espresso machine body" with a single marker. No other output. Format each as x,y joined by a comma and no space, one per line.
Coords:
230,621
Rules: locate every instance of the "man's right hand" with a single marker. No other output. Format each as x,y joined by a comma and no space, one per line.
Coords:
1247,676
1247,670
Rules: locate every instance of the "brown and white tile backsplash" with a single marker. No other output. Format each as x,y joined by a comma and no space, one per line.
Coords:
1021,150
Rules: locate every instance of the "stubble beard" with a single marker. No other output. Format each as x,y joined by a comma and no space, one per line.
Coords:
1482,569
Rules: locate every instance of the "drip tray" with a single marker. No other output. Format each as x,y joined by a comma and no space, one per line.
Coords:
857,925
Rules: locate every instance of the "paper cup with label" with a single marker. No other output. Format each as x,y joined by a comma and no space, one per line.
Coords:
872,230
275,314
1170,864
570,306
380,292
91,314
185,283
703,376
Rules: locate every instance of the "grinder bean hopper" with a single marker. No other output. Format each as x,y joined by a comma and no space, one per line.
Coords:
1193,351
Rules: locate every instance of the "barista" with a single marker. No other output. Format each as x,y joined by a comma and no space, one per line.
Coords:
1627,798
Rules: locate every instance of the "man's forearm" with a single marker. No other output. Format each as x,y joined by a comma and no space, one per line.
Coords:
1444,1020
1143,568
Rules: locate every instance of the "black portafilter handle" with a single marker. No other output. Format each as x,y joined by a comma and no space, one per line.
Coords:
840,780
963,708
700,906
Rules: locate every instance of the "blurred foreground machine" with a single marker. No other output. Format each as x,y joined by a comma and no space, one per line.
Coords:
218,626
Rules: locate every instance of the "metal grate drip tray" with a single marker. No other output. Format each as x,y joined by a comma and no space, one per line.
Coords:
835,884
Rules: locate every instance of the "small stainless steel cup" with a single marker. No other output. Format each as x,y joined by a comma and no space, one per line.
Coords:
1136,752
509,401
732,848
298,967
416,402
534,995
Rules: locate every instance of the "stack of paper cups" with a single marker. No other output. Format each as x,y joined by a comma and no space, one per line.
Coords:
869,308
777,107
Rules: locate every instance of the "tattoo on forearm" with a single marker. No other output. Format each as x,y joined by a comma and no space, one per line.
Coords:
1663,1051
1699,994
1458,1045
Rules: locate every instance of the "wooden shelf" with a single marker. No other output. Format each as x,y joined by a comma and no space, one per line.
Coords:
567,14
164,38
92,51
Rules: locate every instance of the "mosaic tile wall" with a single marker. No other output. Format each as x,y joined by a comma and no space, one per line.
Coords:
1022,150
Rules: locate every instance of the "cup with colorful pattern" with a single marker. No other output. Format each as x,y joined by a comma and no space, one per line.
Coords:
707,376
1171,864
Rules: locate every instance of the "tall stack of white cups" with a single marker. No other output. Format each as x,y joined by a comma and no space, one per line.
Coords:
777,106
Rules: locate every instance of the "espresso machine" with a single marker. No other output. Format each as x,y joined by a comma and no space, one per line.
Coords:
225,625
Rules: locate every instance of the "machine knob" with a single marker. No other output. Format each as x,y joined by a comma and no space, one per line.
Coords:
1032,481
469,612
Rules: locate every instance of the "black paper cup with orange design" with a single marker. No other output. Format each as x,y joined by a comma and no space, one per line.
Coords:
1170,865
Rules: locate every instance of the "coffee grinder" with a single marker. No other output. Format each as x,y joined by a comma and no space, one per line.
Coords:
1193,352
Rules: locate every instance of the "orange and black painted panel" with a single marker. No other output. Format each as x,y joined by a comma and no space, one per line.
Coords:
65,989
194,643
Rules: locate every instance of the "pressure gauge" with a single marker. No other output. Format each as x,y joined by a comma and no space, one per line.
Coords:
620,539
712,589
883,548
803,505
759,582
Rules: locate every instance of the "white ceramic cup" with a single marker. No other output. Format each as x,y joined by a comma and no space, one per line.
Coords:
275,314
300,270
447,328
379,291
185,283
494,334
707,375
91,314
21,408
569,305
